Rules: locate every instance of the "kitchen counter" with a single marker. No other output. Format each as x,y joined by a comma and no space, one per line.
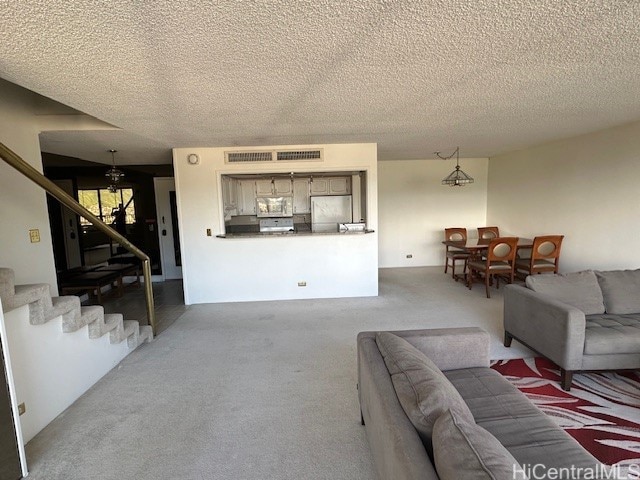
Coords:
305,233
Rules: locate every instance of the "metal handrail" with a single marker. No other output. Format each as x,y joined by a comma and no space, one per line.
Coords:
67,200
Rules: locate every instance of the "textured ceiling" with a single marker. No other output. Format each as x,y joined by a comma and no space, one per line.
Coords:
413,76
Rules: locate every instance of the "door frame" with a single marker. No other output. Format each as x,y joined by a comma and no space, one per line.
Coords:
12,395
71,248
162,187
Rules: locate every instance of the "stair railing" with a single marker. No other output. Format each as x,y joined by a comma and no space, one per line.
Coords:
67,200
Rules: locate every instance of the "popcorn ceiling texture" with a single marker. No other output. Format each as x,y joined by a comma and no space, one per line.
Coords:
413,76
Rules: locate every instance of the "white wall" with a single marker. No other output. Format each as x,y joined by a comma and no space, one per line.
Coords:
415,208
23,204
585,188
52,369
223,270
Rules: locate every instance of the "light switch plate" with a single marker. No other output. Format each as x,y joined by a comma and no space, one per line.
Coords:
34,235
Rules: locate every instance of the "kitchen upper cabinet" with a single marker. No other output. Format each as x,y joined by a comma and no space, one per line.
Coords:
331,186
247,197
319,186
340,186
277,186
229,193
301,202
264,188
283,186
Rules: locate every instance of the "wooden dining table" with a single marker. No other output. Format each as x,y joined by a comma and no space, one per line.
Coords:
476,246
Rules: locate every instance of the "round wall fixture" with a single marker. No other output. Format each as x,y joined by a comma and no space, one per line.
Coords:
193,159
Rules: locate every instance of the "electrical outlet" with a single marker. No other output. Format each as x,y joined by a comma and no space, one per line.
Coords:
208,232
302,284
22,408
409,255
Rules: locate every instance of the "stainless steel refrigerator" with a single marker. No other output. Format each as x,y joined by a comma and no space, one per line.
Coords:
329,211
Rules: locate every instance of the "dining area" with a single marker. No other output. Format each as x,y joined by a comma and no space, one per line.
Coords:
489,257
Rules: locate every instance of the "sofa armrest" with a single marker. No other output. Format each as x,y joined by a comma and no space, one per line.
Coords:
396,447
448,348
549,326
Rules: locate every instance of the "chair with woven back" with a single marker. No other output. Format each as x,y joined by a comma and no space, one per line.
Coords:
545,256
488,232
499,262
453,254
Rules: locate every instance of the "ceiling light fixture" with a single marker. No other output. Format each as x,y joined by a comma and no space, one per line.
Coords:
114,174
457,178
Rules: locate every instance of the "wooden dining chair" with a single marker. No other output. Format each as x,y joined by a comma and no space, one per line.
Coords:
545,256
488,232
499,262
453,254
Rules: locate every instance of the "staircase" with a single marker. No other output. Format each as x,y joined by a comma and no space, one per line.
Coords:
43,307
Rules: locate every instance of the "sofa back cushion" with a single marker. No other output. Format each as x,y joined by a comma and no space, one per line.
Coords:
621,291
579,289
422,389
466,451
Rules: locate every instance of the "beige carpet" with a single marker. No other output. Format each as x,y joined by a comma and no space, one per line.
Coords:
263,390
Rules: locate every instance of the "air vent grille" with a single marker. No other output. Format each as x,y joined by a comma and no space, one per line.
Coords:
300,155
261,156
249,157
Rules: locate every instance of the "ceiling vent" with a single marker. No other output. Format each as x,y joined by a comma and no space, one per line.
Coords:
249,157
298,155
273,156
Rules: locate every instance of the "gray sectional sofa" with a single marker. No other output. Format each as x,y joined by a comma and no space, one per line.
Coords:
586,320
437,419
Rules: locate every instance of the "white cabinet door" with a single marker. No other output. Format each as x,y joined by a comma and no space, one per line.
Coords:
319,186
229,193
264,188
331,186
301,203
246,197
278,186
282,186
339,186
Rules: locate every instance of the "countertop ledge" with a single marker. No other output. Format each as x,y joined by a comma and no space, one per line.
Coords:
289,234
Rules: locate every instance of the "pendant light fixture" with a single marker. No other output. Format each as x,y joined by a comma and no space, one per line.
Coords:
114,174
457,178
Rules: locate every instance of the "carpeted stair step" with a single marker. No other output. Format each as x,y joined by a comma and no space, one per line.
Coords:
68,307
26,294
145,335
88,315
37,296
108,323
43,307
131,333
7,284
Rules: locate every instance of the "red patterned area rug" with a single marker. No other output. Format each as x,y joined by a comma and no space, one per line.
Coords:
602,410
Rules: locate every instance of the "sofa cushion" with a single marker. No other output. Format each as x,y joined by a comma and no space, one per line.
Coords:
465,451
621,291
579,289
522,428
607,333
422,389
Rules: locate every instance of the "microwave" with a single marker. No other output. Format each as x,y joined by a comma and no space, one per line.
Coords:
274,206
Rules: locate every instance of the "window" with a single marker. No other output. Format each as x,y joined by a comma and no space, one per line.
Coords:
101,202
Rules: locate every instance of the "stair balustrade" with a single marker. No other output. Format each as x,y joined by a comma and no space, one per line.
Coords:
15,161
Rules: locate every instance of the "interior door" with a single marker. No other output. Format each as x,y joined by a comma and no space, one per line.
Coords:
167,211
10,467
70,228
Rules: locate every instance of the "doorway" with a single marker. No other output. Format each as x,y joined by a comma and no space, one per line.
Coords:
168,233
